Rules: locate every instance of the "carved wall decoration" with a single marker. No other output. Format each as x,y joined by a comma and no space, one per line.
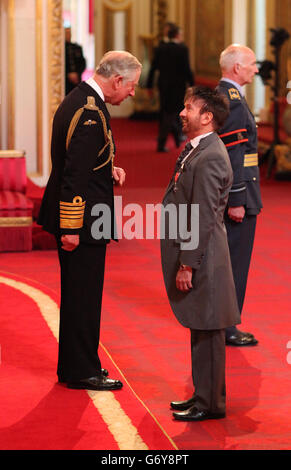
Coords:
56,55
110,8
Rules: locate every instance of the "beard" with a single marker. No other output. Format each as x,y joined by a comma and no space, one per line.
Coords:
185,126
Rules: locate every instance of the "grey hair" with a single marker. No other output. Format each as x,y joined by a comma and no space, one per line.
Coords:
231,55
118,63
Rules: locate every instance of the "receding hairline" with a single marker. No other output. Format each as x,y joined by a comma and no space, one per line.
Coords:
120,62
232,54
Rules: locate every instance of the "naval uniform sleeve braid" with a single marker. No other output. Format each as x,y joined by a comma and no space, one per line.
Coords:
85,142
234,136
208,186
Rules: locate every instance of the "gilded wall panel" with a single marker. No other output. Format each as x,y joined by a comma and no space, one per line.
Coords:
56,62
210,37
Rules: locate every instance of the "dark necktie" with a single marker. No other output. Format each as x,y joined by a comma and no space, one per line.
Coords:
188,147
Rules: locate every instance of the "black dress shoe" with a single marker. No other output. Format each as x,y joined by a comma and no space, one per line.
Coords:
241,339
182,405
193,414
96,383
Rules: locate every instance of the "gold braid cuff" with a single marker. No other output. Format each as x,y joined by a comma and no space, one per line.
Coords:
72,213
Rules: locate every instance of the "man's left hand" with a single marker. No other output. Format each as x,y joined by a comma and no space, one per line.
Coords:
118,175
70,242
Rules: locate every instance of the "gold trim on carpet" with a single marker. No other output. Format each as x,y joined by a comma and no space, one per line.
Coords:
119,424
139,399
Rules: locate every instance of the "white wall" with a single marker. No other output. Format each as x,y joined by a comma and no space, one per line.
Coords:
25,81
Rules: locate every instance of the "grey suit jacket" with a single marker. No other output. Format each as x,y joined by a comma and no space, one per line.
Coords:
205,181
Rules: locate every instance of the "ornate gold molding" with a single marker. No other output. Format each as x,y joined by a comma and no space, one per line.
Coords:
117,4
55,56
108,9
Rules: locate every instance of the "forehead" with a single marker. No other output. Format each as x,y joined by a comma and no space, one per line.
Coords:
193,103
249,57
134,77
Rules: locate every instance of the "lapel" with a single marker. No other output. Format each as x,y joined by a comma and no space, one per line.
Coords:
203,144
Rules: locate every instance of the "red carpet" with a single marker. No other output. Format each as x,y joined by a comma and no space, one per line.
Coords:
149,349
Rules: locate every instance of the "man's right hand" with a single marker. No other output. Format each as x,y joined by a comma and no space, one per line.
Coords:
236,213
70,242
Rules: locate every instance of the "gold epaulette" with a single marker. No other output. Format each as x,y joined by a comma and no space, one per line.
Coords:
91,105
72,213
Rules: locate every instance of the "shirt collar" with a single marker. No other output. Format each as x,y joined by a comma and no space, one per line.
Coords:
239,87
92,83
195,142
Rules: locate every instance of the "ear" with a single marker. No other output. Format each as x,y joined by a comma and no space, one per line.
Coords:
207,118
236,68
117,81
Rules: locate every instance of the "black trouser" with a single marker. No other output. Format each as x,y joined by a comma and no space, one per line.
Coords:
82,275
240,241
208,369
169,124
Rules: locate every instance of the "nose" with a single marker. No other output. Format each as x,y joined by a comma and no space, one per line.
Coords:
182,113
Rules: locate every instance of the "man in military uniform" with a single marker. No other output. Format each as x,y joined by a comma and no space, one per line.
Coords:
82,175
75,62
239,134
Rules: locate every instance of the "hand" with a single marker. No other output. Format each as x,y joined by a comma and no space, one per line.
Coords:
236,213
70,242
184,279
118,175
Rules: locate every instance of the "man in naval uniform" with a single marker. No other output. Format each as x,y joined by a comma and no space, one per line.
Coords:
198,275
239,134
82,175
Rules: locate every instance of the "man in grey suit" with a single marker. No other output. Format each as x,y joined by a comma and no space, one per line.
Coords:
198,276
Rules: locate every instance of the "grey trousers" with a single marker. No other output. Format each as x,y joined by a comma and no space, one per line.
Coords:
208,369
